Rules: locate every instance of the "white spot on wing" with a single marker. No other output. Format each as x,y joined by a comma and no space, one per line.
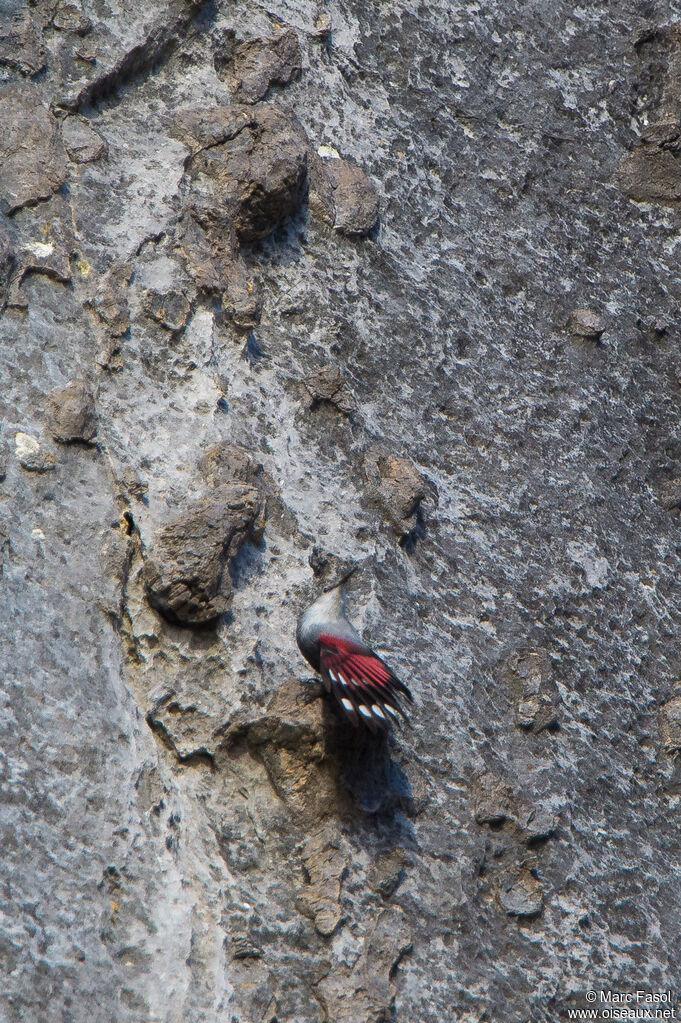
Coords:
364,711
348,704
377,710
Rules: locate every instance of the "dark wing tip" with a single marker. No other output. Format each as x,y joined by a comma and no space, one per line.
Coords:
367,689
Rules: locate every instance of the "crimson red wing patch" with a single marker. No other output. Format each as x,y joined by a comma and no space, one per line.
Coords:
365,686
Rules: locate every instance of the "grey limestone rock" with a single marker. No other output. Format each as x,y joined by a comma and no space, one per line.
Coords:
536,698
44,245
69,17
82,143
183,573
342,195
31,150
255,162
189,832
396,486
7,264
32,455
254,65
170,308
538,824
322,26
650,172
205,239
670,726
111,300
586,323
72,412
493,800
523,898
327,386
242,297
207,242
230,463
21,45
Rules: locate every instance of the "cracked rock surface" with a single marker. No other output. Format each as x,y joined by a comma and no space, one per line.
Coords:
391,286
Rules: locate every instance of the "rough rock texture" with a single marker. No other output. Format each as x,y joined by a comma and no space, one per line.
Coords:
327,386
537,700
253,66
72,412
189,834
45,246
21,46
670,727
342,194
183,571
396,487
252,162
7,264
585,323
651,172
170,308
83,145
32,455
31,150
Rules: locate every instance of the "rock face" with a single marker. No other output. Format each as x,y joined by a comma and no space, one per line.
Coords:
651,172
31,151
72,412
82,144
254,162
396,487
254,65
21,46
327,386
170,308
585,323
343,195
405,276
32,455
183,573
7,264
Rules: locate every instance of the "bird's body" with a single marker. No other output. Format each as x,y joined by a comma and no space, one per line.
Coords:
367,690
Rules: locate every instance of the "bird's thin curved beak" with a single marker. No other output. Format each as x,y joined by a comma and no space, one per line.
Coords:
343,579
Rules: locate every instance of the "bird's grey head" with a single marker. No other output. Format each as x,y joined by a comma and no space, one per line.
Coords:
328,607
331,601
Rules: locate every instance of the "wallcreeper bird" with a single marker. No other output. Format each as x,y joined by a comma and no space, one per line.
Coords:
367,690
